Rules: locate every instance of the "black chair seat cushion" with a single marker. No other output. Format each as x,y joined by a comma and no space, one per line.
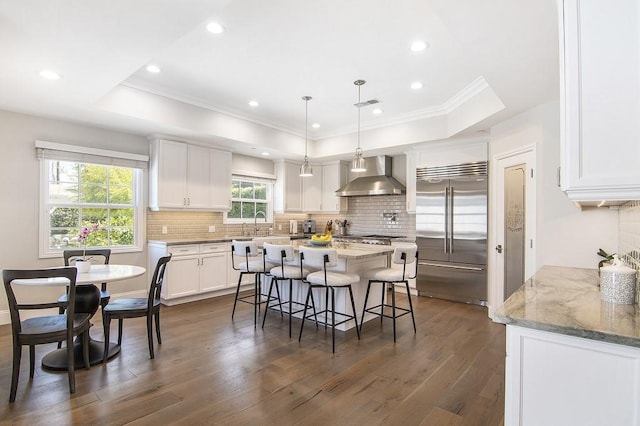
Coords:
126,306
47,325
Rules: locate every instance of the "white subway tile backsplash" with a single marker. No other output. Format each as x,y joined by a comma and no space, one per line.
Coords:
629,233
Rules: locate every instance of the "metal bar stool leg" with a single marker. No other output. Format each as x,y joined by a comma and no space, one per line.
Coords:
413,318
353,307
382,302
393,310
364,310
266,309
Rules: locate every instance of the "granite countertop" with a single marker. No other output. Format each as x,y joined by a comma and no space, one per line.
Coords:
567,301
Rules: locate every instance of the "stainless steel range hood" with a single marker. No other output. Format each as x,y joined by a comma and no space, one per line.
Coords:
377,180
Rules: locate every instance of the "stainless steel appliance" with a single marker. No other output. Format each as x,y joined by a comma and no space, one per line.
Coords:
309,226
451,232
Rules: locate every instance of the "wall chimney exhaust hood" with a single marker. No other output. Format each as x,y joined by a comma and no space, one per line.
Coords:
377,180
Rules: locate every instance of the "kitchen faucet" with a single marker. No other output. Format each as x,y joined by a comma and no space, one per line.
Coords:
255,221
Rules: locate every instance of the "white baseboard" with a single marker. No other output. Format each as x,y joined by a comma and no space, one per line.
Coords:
5,317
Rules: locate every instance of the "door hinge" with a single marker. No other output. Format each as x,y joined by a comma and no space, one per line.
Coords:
530,243
531,173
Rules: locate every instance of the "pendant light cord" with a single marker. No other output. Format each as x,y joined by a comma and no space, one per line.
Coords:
359,150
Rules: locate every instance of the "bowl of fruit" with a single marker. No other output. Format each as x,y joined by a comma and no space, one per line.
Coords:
320,239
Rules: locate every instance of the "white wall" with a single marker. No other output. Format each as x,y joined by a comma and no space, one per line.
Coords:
19,187
565,235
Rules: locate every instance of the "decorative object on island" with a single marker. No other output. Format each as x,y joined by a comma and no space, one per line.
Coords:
83,264
618,283
306,170
358,164
607,258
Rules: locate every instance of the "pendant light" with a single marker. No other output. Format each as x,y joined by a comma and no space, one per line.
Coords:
306,170
358,165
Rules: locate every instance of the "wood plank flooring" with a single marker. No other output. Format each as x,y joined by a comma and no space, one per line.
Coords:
211,370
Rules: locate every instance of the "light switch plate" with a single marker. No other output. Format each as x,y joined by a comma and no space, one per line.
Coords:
164,229
212,228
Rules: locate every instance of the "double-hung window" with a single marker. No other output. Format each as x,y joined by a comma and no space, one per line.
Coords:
79,192
250,197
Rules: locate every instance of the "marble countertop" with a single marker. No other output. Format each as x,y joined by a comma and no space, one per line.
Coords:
567,301
351,250
224,239
345,250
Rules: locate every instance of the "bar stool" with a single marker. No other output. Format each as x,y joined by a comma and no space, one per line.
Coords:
401,256
328,280
287,269
258,267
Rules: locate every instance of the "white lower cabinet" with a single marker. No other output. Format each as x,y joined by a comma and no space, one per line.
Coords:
555,379
196,271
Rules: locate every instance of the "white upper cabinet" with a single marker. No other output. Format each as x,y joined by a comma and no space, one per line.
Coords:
412,163
312,191
311,194
288,188
334,176
184,176
220,179
600,99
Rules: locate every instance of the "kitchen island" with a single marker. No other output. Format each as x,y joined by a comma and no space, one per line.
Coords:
202,269
571,358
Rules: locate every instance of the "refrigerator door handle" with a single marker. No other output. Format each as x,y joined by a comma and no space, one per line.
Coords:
439,265
446,220
451,213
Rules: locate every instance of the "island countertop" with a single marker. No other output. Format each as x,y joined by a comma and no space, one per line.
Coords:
567,301
344,250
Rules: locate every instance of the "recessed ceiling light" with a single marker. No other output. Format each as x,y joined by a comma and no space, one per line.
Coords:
418,46
153,68
376,111
253,103
266,154
215,28
316,125
416,85
49,75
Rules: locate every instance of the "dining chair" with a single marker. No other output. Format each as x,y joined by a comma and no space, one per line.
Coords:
258,267
403,256
287,269
70,256
148,307
42,329
329,280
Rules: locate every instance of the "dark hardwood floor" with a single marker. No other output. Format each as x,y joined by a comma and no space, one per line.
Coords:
211,370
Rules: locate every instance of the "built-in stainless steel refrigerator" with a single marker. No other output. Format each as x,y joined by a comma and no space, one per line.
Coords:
451,232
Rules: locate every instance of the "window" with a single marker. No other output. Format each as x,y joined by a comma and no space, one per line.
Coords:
248,198
77,194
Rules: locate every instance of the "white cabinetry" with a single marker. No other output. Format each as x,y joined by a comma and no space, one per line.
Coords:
564,380
412,162
311,194
195,272
188,176
600,82
312,191
334,176
288,187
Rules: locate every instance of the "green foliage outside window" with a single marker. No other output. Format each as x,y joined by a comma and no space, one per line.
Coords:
248,197
83,194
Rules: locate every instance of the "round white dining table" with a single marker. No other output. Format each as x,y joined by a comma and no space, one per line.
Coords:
87,301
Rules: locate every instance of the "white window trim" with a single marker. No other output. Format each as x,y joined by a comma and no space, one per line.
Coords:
269,200
139,216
